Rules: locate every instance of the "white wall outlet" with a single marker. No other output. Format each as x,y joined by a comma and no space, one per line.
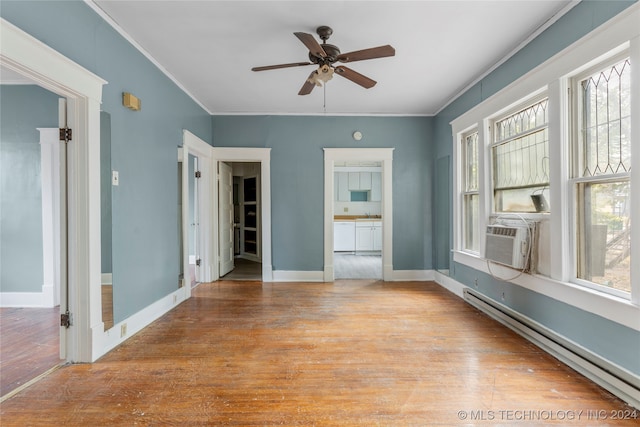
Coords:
115,178
123,330
346,209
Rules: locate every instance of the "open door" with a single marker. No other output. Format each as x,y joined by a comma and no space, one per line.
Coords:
225,217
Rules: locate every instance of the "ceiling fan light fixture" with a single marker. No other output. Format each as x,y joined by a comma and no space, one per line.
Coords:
323,74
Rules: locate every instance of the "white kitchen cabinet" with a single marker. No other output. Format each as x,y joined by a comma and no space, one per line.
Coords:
342,187
376,187
344,236
354,181
365,181
368,235
377,236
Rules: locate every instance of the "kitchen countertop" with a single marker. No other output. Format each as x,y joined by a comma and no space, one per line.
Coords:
357,217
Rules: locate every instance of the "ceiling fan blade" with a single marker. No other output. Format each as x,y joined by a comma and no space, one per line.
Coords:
371,53
307,87
355,77
274,67
312,44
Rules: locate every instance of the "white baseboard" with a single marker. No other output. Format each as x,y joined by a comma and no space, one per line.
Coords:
105,341
450,284
297,276
44,299
413,275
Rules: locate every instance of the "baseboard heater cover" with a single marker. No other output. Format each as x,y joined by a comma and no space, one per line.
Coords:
605,373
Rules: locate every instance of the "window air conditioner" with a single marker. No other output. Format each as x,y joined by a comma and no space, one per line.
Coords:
508,245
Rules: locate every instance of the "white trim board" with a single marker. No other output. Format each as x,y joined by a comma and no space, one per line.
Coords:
28,299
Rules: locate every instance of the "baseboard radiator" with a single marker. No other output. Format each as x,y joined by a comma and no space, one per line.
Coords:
608,375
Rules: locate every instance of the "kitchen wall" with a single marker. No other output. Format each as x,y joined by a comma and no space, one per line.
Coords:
357,208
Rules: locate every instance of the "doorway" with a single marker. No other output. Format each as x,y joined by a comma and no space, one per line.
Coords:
369,232
27,56
357,227
256,173
30,231
240,220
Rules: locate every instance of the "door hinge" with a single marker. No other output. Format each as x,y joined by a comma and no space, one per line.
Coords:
65,319
198,174
65,134
198,262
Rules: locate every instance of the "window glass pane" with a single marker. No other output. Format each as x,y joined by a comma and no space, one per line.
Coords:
471,237
606,121
471,160
604,254
521,161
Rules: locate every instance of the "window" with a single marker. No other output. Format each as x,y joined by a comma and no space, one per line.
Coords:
601,174
471,198
568,131
521,160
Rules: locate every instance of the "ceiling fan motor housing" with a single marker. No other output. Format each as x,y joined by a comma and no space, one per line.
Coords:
332,52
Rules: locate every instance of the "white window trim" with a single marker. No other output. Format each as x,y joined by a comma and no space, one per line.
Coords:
552,76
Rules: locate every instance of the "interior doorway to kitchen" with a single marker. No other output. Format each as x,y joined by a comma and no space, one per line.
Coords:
357,225
358,214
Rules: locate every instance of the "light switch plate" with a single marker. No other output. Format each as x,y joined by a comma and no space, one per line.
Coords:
115,178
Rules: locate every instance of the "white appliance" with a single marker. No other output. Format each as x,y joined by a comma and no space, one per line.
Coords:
508,245
344,236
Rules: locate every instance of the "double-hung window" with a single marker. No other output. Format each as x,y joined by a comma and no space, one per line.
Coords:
471,198
520,158
601,174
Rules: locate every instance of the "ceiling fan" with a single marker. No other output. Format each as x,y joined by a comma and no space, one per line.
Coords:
325,55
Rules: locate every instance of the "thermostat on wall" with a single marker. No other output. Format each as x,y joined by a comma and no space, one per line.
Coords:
357,135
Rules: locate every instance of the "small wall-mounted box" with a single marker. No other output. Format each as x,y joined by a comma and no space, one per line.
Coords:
130,101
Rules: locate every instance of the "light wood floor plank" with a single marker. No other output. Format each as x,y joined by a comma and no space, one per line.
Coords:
349,353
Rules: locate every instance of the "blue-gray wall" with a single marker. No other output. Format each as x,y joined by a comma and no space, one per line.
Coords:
143,144
23,108
613,341
297,179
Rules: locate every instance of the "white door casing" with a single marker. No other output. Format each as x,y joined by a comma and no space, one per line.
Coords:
225,217
193,145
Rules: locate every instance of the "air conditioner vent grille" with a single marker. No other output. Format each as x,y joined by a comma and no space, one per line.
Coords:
502,231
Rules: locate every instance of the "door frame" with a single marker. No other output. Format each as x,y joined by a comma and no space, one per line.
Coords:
191,144
26,55
384,155
250,155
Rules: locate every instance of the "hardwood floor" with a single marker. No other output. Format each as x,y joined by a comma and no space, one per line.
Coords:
356,352
29,345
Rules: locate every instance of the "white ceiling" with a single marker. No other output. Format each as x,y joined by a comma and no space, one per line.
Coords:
209,47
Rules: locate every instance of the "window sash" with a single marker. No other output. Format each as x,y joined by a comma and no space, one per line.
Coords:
595,259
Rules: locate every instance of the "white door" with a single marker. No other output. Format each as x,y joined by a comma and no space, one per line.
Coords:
225,217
